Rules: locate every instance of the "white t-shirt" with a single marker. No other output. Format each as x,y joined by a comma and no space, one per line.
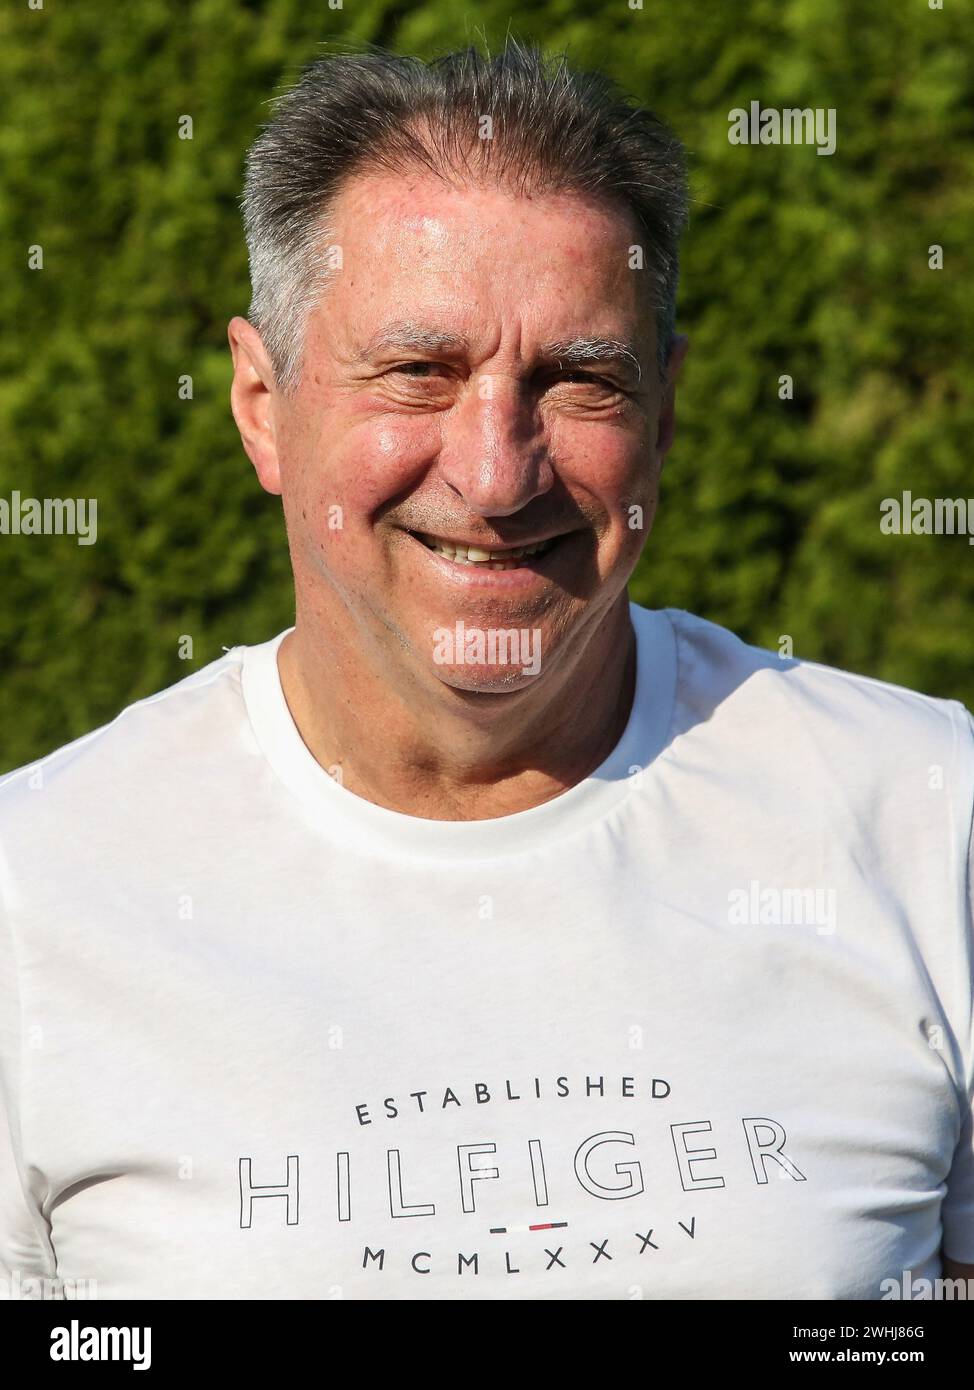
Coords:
700,1027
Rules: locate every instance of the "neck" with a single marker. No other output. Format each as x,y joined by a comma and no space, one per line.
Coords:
429,750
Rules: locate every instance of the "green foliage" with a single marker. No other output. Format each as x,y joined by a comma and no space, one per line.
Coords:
798,264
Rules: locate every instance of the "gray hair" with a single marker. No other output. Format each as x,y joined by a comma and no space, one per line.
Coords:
554,129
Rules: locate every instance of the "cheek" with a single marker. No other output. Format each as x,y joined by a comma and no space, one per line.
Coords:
331,463
375,462
616,472
615,466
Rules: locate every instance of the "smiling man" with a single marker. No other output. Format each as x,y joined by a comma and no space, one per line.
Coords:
485,935
479,462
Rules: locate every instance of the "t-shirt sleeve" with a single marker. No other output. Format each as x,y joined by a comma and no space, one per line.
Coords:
957,1212
22,1252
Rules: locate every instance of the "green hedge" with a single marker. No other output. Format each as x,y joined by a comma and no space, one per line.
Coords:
815,267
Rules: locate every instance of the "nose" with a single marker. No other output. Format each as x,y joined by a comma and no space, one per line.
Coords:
493,452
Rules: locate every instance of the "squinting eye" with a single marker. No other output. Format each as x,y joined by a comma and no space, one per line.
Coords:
587,379
409,368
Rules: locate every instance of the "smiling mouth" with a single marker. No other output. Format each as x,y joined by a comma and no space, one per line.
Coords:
510,558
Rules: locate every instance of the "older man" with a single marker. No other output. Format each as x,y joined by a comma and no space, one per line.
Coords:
485,935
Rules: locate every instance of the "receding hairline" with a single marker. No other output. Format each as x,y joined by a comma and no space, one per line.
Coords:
408,332
552,129
449,169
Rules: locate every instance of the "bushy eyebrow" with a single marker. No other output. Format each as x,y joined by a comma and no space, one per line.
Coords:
582,352
568,352
415,337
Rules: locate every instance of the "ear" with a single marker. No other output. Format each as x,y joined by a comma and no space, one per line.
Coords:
667,411
252,398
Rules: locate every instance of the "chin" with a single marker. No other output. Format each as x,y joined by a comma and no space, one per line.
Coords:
486,680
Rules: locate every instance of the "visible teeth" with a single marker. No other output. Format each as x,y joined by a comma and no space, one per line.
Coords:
475,555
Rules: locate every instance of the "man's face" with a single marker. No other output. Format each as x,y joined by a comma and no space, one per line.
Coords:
433,415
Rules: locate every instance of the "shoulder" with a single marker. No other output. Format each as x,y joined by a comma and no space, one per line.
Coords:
111,773
724,679
828,776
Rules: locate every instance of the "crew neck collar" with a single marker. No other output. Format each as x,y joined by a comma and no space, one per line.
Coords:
355,821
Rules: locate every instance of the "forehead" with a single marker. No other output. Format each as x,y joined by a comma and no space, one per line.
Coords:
411,244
